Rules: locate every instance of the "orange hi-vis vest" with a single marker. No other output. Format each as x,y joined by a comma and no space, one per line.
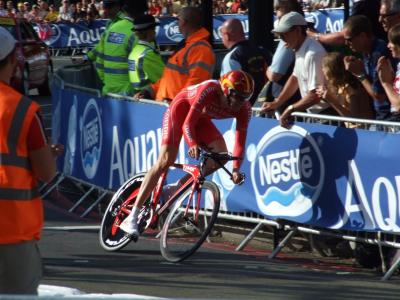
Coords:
190,65
21,208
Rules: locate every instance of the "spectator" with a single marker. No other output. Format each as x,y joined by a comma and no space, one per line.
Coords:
3,11
242,55
35,15
85,5
282,62
243,7
389,14
43,9
235,6
96,3
154,8
389,79
307,73
191,64
11,11
52,16
74,12
360,38
21,207
27,9
219,7
92,13
344,92
176,7
65,14
145,63
20,10
166,8
81,12
368,8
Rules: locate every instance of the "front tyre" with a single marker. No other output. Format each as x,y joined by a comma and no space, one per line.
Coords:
111,237
182,234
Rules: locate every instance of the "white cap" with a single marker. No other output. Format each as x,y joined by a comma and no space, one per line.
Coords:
288,21
7,43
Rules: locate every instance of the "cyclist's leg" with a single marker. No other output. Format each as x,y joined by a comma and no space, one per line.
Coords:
172,133
166,158
210,136
168,154
219,146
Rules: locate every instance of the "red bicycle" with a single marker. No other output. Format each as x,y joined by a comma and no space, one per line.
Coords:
192,210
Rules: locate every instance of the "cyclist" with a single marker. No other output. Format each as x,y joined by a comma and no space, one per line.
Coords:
190,115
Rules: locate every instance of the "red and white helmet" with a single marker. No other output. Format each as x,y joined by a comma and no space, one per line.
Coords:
237,83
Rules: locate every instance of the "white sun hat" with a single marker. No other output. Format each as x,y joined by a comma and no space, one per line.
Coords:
7,43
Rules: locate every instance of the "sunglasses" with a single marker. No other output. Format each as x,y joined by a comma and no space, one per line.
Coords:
385,16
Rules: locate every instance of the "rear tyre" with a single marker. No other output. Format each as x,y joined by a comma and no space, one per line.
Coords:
182,235
111,237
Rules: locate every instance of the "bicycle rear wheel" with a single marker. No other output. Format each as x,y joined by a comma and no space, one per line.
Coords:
182,234
110,236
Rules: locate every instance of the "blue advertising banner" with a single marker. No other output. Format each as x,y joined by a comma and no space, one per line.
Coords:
320,175
64,35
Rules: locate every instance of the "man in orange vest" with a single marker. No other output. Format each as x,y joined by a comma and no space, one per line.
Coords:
191,64
25,157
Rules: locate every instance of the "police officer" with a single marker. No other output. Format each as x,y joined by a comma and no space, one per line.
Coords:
145,63
112,11
118,44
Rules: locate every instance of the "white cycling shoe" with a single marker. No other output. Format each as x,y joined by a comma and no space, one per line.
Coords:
130,227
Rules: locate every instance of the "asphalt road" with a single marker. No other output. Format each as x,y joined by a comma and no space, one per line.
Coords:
73,258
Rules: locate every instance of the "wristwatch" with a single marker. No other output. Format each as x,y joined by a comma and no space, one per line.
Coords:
290,107
361,77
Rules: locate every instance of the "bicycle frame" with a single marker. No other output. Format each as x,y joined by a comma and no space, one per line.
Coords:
195,180
197,177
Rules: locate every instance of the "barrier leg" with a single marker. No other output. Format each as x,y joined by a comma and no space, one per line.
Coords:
383,263
392,269
283,243
61,178
81,199
249,237
94,203
276,237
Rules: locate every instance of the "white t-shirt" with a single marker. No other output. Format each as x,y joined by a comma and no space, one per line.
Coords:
308,70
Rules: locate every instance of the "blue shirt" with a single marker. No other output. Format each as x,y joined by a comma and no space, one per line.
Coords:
379,48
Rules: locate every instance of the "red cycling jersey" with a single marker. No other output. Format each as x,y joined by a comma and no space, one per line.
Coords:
190,114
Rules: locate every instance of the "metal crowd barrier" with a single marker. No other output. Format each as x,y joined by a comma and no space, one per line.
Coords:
381,239
69,51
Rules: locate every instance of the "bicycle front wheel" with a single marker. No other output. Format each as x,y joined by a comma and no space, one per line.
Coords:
183,233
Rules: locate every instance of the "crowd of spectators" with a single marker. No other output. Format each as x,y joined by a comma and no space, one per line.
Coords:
76,11
41,10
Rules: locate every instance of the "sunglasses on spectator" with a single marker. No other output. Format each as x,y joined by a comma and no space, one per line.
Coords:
385,16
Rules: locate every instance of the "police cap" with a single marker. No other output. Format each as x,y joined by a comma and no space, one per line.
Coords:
144,22
109,3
